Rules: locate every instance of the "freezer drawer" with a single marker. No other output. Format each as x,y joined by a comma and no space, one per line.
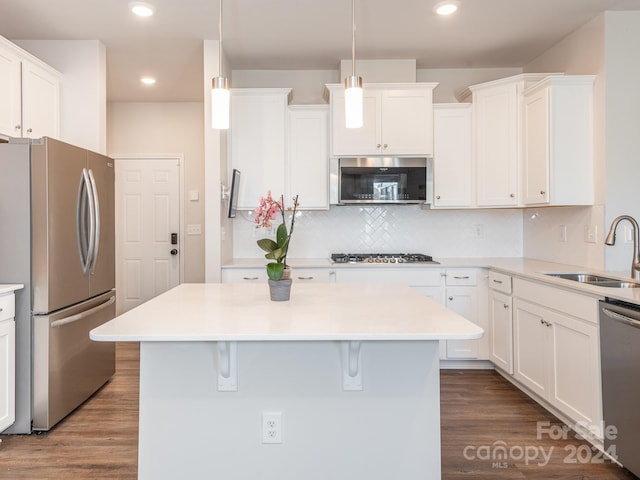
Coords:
67,366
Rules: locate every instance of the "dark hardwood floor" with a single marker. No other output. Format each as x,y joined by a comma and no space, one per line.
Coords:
481,412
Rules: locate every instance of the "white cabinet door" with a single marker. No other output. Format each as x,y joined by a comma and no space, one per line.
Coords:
496,145
10,93
7,373
259,275
464,301
355,141
533,364
257,142
308,161
558,141
536,148
40,102
407,122
452,167
576,381
501,331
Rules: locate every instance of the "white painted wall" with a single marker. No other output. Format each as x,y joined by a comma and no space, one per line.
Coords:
622,38
451,81
83,96
167,128
307,85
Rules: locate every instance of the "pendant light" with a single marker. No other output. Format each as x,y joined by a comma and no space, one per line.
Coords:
220,89
353,85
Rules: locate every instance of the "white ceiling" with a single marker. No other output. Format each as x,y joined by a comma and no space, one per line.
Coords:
295,34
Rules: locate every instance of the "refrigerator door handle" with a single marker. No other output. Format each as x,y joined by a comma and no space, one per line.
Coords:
81,315
82,234
96,216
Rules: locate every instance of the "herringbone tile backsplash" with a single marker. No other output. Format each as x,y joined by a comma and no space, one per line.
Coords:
389,229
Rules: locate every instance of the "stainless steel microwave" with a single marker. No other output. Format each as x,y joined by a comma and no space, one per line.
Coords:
380,180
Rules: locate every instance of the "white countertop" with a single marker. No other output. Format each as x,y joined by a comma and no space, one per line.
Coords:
321,311
10,288
522,267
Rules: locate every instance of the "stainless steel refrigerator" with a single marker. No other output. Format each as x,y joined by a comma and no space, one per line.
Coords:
57,217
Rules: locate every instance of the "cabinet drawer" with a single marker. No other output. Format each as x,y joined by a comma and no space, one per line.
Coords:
571,303
312,275
244,275
7,307
500,282
461,277
383,274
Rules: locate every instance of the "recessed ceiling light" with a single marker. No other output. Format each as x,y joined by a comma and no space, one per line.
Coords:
446,8
148,80
142,9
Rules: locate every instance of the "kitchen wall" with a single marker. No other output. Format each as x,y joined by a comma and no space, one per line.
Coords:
167,128
83,91
388,229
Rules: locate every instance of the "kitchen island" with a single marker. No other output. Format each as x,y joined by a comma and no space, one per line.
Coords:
340,382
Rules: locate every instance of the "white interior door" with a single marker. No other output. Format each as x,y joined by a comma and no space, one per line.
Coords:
147,214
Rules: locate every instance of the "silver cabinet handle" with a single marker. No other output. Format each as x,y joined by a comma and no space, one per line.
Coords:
497,281
437,197
305,278
450,298
18,127
385,146
462,278
505,305
29,130
250,278
378,145
512,195
542,192
1,309
545,323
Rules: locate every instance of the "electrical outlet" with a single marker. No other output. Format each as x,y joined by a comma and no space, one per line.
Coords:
562,233
590,233
272,427
477,231
628,234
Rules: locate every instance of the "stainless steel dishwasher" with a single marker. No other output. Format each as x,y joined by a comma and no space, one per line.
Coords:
620,360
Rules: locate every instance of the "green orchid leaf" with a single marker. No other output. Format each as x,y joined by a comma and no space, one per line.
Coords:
281,234
267,244
275,270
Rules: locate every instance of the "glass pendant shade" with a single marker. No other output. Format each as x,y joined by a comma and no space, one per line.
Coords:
220,103
353,107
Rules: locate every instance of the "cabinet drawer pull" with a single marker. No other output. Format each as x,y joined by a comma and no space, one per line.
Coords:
1,309
450,298
250,278
497,281
18,127
385,146
512,195
505,305
462,278
437,197
378,145
542,192
29,130
305,278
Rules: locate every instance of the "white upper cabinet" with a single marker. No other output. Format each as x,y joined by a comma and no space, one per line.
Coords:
29,95
558,141
398,120
497,123
258,142
452,162
308,161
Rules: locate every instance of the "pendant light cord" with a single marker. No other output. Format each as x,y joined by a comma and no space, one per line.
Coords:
220,41
353,40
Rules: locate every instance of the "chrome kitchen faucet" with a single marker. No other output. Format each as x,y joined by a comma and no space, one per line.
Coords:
611,240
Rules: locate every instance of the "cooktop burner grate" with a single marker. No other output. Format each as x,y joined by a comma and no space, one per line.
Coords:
381,258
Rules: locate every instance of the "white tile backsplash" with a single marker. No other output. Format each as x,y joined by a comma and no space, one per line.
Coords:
386,229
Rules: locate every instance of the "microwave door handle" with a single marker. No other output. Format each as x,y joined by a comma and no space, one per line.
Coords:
96,219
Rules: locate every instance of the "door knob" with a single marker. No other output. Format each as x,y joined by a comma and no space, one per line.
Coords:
173,251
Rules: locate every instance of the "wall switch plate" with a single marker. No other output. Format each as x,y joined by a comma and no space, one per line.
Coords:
194,229
590,233
562,233
628,234
272,427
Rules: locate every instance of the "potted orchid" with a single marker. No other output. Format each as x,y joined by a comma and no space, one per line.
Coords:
267,211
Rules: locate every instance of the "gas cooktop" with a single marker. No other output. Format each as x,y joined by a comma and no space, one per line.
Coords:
381,258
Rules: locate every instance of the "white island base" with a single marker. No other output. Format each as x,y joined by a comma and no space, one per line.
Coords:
347,375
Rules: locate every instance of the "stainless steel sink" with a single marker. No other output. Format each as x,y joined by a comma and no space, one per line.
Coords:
597,280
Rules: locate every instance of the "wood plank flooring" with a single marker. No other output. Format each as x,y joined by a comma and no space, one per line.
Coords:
479,409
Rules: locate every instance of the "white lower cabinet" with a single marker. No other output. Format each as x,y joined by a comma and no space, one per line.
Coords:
501,331
7,362
556,347
466,294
